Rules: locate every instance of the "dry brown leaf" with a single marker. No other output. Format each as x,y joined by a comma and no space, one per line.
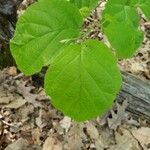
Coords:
17,103
5,99
117,118
20,144
42,95
38,120
25,91
125,141
52,143
75,136
143,136
92,131
65,123
24,112
106,138
74,143
12,71
100,145
36,134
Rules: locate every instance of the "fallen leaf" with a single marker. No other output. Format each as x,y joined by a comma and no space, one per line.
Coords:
25,91
39,119
17,103
92,130
125,141
105,139
74,143
25,111
117,118
100,145
75,136
65,123
5,99
36,134
12,71
20,144
142,135
52,143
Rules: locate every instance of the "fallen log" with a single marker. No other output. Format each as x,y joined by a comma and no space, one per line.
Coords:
137,92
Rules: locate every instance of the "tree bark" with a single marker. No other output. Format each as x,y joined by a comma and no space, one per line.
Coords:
8,18
137,92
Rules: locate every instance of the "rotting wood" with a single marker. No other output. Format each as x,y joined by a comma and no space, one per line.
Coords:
137,92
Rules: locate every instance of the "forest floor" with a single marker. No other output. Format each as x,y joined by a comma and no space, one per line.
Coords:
28,121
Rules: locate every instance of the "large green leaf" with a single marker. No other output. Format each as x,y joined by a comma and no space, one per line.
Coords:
83,80
145,7
121,26
39,33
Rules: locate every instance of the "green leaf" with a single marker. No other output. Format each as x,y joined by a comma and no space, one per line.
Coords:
83,80
85,11
85,6
85,3
39,33
145,7
123,38
134,3
122,2
121,26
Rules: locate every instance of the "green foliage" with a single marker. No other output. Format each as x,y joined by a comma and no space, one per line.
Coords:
83,78
37,39
121,23
85,6
80,79
85,3
121,26
145,7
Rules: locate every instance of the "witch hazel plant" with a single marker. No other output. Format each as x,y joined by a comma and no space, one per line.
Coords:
83,78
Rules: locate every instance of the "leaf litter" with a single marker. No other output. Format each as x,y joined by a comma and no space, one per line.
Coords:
26,125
